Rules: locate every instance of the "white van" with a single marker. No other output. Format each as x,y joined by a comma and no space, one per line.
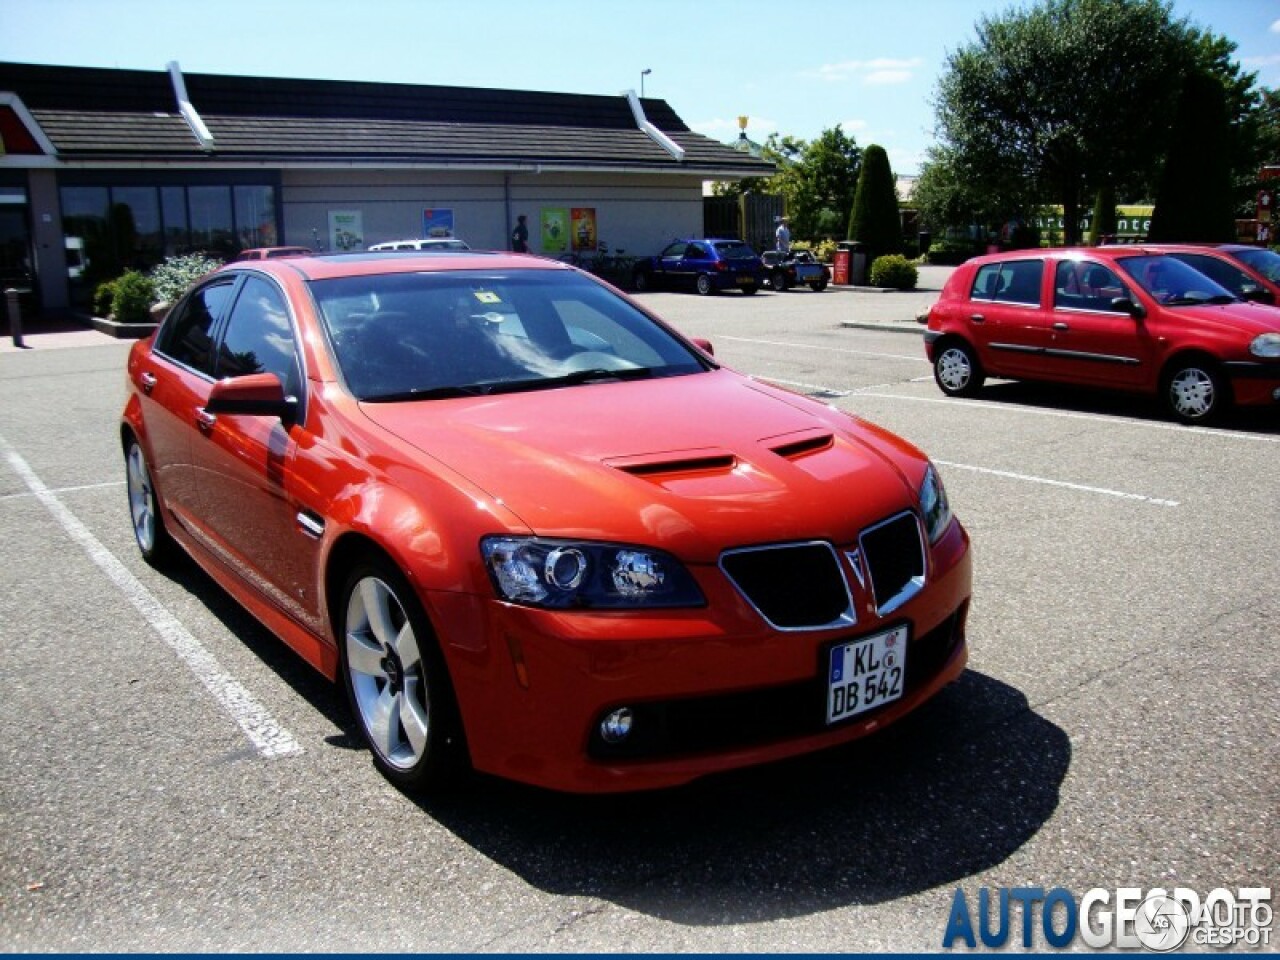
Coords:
433,243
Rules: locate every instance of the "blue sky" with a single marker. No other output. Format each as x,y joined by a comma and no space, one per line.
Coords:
796,68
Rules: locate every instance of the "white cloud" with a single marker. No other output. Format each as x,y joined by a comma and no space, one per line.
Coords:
853,126
1275,27
877,72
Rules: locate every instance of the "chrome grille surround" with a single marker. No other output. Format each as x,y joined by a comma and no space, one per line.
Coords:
894,553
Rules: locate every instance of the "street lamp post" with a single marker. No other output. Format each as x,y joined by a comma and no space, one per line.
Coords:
643,73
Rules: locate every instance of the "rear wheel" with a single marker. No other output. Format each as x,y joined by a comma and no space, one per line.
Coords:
396,680
818,285
704,285
154,542
1195,392
750,289
641,281
779,281
956,369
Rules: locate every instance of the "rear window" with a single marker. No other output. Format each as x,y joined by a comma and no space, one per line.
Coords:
735,251
1011,281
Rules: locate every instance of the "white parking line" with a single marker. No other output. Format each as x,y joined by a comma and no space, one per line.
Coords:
268,737
1155,501
62,490
1068,415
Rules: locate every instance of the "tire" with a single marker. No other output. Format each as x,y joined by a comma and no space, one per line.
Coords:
641,281
818,285
396,680
154,542
779,281
750,290
704,286
1195,392
957,370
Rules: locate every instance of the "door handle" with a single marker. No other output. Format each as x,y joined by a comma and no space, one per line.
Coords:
148,381
1061,326
205,420
977,318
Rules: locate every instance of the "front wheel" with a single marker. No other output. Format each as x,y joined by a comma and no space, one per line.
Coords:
704,285
1195,393
154,542
396,680
779,281
818,285
641,281
957,371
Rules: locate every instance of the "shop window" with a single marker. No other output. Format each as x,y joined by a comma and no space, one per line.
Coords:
212,226
256,216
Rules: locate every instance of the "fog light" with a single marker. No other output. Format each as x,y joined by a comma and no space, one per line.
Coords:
616,725
1275,394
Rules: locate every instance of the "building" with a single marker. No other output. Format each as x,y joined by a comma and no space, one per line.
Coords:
103,170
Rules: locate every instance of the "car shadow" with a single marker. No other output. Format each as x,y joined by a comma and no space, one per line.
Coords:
950,791
1067,397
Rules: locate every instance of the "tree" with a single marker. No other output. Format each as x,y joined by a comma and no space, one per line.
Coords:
1194,198
874,219
1055,100
817,179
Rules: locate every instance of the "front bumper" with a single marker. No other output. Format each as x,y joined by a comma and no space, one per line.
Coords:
1254,383
711,689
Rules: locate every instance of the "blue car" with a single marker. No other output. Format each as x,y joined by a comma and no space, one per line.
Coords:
707,266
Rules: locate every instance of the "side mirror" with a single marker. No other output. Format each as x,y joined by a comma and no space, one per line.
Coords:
1131,307
704,345
255,395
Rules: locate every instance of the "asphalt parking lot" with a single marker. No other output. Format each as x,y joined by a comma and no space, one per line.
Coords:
1117,726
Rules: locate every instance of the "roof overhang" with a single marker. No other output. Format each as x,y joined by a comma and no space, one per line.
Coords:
14,103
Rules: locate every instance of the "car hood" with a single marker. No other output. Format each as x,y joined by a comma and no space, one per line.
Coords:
1249,318
693,464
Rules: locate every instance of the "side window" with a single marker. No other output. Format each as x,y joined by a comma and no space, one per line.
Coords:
986,285
1020,281
675,250
259,336
187,337
696,251
1082,285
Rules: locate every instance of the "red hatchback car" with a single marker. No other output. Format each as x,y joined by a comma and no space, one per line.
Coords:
1125,318
531,528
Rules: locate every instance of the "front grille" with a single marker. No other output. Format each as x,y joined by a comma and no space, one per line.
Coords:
731,721
894,554
797,586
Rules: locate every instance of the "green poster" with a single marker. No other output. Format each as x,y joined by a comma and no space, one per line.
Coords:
555,229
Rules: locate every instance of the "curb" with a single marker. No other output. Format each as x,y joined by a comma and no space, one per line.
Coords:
915,328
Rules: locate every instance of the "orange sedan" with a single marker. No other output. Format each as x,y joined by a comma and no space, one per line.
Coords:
533,530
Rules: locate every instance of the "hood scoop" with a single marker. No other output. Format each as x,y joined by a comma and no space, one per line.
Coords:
676,463
793,446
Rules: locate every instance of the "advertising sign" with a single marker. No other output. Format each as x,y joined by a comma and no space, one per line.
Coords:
346,230
437,222
555,229
583,225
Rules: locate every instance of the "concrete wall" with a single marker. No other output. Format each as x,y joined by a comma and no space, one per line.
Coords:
638,214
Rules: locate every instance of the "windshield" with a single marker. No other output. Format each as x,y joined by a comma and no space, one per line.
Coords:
405,336
1172,282
1262,260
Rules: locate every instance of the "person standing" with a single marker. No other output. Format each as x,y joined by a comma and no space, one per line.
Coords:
520,236
782,236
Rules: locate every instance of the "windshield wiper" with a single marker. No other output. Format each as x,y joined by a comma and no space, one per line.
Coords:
593,375
429,393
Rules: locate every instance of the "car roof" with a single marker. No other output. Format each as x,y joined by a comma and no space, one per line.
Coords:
363,264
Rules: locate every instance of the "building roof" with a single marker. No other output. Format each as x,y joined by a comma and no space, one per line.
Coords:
105,116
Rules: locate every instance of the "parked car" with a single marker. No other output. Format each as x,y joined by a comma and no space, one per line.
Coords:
707,266
530,527
1118,317
1251,273
783,271
271,253
430,243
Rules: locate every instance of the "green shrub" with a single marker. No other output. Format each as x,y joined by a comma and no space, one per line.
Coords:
134,295
950,252
894,271
173,276
104,296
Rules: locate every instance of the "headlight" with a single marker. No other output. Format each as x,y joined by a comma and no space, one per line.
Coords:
934,505
563,574
1266,345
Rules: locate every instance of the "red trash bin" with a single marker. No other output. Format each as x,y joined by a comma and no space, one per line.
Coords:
840,265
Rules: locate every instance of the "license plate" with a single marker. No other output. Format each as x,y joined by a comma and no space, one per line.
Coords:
864,674
746,280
